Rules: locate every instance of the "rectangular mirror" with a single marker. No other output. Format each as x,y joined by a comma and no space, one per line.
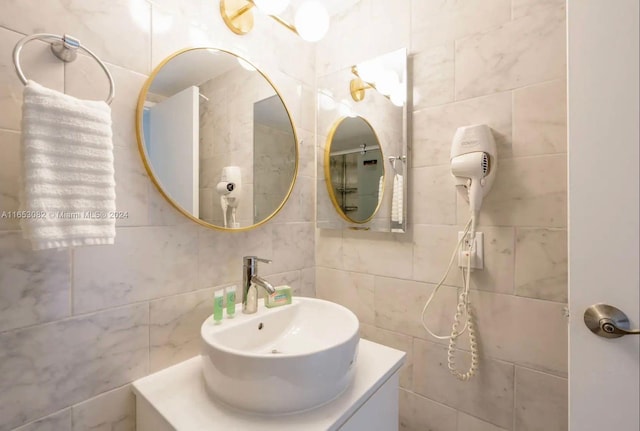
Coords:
362,145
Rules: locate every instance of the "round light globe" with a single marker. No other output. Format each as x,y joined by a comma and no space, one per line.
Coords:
368,72
271,7
312,21
386,81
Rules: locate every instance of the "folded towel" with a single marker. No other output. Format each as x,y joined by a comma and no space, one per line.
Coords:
68,194
397,198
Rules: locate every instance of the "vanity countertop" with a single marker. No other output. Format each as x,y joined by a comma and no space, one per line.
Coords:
179,395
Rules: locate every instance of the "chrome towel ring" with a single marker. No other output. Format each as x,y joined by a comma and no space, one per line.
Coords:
65,48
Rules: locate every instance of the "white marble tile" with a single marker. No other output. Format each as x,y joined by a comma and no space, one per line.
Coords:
521,52
527,191
298,59
293,247
541,401
38,64
541,264
499,261
126,22
433,195
350,289
397,341
433,76
175,327
113,410
398,307
308,111
308,282
418,413
389,25
434,127
144,263
49,367
300,206
469,423
132,187
436,21
307,155
432,250
35,286
173,31
540,119
378,253
504,321
10,171
522,8
329,248
380,27
489,395
60,421
220,254
327,216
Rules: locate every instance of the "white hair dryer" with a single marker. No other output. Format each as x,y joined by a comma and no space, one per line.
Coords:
229,189
473,165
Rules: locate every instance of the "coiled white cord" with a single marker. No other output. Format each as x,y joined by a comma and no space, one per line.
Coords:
463,307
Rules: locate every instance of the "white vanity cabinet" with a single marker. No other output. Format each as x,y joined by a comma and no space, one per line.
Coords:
176,399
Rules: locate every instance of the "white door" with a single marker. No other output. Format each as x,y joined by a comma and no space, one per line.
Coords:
604,376
174,129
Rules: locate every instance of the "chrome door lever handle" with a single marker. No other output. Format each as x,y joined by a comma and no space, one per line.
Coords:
608,321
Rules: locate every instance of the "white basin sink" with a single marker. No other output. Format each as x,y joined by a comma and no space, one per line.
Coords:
281,360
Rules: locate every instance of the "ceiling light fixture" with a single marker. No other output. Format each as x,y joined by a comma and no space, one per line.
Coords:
311,19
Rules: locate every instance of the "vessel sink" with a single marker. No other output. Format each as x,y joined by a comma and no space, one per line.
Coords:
280,360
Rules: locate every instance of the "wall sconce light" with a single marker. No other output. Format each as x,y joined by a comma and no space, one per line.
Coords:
384,81
311,20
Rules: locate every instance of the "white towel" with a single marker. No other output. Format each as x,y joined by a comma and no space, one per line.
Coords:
68,194
380,188
396,202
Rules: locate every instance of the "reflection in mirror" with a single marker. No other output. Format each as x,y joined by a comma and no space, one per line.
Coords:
373,96
356,169
217,139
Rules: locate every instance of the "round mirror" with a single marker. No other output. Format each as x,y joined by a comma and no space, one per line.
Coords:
217,139
354,169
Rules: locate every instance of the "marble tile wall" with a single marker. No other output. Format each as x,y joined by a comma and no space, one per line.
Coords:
499,62
76,327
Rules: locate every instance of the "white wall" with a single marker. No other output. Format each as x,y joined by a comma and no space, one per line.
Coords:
77,327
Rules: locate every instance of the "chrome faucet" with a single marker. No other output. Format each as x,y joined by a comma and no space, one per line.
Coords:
250,281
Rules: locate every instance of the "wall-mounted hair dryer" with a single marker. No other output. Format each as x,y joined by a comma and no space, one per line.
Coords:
473,164
229,189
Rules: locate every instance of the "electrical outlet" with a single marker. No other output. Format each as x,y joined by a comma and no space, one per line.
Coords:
477,251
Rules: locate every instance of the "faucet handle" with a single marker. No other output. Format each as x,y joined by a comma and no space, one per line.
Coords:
252,260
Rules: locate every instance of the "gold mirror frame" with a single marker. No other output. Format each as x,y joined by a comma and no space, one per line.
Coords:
327,172
145,159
